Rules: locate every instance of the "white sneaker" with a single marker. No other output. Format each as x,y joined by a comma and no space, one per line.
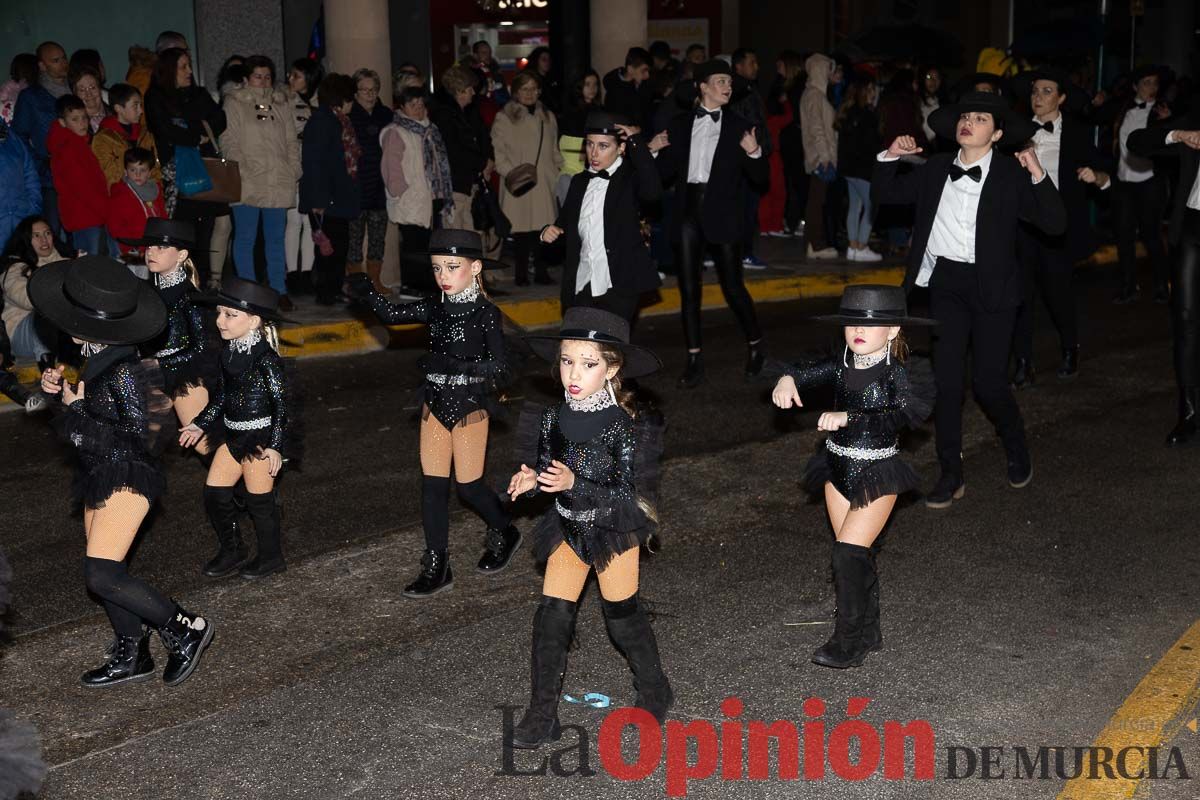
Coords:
867,254
851,254
825,254
708,262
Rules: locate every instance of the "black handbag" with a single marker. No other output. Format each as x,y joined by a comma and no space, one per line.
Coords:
485,210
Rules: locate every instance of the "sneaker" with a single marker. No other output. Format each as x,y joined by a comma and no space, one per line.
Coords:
753,262
947,489
867,254
708,262
1020,468
851,254
778,234
824,254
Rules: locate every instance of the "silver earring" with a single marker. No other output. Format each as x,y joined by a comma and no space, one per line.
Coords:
611,393
846,356
888,358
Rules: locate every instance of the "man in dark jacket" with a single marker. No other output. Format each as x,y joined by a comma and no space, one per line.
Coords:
34,114
627,92
455,111
748,103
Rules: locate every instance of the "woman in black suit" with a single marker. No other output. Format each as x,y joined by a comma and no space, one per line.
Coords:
968,205
607,264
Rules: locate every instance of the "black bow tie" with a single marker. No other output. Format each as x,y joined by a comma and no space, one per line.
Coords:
1048,127
975,173
1140,105
600,173
716,115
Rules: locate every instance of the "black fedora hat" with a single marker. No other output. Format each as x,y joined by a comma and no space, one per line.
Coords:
98,300
873,305
1018,128
1077,98
592,324
967,83
713,66
603,122
244,295
467,244
165,233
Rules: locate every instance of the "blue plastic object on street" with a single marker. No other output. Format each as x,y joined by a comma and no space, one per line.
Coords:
593,699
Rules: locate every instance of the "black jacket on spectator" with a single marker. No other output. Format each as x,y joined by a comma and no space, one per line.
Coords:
622,98
468,143
859,143
368,126
1151,142
176,117
633,185
324,181
748,103
724,201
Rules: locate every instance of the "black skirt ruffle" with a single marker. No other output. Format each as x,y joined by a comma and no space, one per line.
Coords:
620,528
861,486
201,370
92,487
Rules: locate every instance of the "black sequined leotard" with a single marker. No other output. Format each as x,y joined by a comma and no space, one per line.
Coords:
466,364
185,350
112,428
862,459
252,408
615,461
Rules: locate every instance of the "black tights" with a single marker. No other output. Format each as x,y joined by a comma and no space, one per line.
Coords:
728,260
128,600
435,508
1185,305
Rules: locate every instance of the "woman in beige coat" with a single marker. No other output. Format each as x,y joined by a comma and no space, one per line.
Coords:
526,133
261,137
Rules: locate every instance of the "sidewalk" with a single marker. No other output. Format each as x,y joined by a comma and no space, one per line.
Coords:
339,330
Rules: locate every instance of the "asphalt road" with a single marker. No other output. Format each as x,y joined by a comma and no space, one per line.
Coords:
1015,618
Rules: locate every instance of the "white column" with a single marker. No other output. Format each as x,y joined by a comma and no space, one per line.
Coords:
357,34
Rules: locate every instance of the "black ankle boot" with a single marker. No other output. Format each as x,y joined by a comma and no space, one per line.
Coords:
693,373
1022,374
851,574
1069,367
435,576
222,513
553,624
631,631
755,359
128,661
269,559
1185,429
185,636
501,546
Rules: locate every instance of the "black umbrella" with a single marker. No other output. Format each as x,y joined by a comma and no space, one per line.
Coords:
918,42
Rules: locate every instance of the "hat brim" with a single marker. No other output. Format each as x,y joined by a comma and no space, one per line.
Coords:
46,294
221,299
424,256
639,361
1018,129
169,241
875,322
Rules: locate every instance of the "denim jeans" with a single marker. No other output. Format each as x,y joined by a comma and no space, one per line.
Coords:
858,221
26,343
274,223
90,240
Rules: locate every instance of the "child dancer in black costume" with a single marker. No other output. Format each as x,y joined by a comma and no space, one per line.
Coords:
252,426
112,423
602,466
465,367
184,350
859,469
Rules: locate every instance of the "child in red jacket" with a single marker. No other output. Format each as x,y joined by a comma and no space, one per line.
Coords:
78,179
134,199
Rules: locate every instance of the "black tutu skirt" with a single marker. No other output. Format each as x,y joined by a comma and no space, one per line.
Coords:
201,370
93,486
626,525
860,482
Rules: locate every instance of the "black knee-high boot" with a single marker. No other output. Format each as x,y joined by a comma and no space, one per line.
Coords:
852,574
553,624
631,631
223,514
502,538
435,575
871,636
265,515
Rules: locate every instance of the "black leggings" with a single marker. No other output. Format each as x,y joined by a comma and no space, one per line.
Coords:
128,600
527,245
1185,305
1139,209
728,260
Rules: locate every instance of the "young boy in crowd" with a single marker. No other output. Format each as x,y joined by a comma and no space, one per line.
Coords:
120,131
134,199
78,179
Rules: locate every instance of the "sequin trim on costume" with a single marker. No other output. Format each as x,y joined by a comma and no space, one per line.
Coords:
166,280
247,342
90,349
170,351
453,380
248,424
595,402
575,516
467,295
862,453
870,359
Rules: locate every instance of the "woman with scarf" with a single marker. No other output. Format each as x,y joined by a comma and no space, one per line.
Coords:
416,178
329,183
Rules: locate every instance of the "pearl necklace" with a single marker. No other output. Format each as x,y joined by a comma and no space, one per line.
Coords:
173,278
246,343
597,401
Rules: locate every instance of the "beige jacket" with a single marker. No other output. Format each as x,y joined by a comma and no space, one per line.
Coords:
515,140
16,293
409,195
817,115
261,137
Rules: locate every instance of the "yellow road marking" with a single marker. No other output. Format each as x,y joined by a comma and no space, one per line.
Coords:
1152,714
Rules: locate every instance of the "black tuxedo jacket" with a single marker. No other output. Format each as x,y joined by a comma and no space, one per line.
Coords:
634,184
1076,151
1151,142
1009,195
723,210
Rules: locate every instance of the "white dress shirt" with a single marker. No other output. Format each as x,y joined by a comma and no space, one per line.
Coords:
705,134
1133,168
1048,146
593,257
1193,201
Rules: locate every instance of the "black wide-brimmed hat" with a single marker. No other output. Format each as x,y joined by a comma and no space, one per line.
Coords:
244,295
97,300
453,242
714,66
873,305
967,83
165,233
592,324
1148,69
1077,98
603,122
1018,128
